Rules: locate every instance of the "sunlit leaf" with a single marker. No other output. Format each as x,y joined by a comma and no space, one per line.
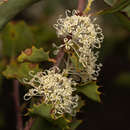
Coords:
20,71
33,55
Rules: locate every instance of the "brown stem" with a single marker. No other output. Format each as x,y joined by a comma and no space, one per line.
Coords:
81,5
19,125
29,124
59,56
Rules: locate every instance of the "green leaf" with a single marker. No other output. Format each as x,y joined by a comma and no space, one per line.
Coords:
127,10
61,123
2,65
110,2
45,111
66,124
74,124
81,103
33,55
90,90
75,62
124,20
41,124
42,110
115,7
20,71
16,37
44,36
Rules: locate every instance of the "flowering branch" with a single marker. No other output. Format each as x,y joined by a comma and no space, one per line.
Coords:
61,52
19,125
11,8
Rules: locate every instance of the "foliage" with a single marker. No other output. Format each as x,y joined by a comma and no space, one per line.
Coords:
27,47
91,91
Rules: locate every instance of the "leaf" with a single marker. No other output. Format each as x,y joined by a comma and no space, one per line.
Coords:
74,124
115,7
45,111
90,90
2,65
41,124
124,20
127,10
75,62
110,2
65,124
81,103
42,110
61,123
33,55
44,36
20,71
16,37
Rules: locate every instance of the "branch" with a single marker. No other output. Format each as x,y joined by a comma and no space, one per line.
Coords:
81,5
60,55
19,125
29,124
11,8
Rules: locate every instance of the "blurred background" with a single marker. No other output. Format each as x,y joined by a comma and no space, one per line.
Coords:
114,111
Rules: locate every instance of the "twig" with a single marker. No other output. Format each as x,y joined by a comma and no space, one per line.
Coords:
81,5
59,56
19,125
29,124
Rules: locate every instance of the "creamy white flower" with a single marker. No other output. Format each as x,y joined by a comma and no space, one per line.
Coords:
80,29
81,35
55,88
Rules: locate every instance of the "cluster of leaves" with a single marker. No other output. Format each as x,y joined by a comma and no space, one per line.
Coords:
23,50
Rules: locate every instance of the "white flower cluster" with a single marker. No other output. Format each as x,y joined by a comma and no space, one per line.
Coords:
81,35
55,88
